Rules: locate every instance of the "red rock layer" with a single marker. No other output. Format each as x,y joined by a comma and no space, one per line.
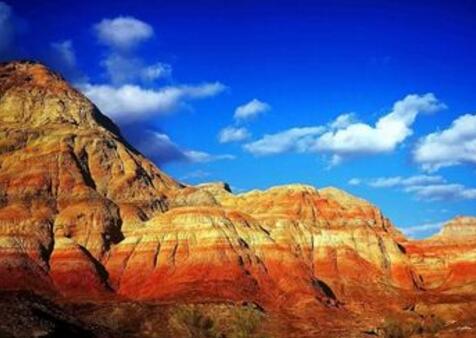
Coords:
83,214
336,237
447,261
66,172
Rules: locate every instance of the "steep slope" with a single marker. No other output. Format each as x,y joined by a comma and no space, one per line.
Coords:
86,215
65,172
83,215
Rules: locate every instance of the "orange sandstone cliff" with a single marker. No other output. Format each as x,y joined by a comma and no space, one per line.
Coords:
83,215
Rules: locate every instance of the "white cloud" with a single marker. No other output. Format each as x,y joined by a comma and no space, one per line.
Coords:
156,71
123,32
131,102
251,109
389,131
126,69
355,181
417,230
425,187
295,139
398,181
453,146
343,121
444,191
122,69
345,137
201,156
233,134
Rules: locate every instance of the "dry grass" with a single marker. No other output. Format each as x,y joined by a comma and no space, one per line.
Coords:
397,328
134,320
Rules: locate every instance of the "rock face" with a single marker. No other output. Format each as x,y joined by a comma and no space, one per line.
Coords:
84,215
446,262
65,172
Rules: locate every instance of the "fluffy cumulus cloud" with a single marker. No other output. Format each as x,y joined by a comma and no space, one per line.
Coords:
130,103
424,187
159,147
346,137
389,131
123,33
122,69
343,121
295,139
250,110
233,134
453,146
132,96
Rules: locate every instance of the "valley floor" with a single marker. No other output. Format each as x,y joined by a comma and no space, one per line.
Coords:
27,315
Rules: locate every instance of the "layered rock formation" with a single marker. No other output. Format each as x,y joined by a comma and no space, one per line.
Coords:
65,172
446,262
84,215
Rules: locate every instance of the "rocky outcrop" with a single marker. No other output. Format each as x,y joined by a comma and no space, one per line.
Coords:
446,262
335,235
84,215
65,172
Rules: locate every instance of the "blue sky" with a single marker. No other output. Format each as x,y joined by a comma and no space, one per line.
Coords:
375,98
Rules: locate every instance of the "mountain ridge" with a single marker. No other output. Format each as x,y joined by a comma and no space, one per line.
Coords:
84,216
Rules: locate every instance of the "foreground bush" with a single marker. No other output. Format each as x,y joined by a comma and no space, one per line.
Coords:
398,328
216,321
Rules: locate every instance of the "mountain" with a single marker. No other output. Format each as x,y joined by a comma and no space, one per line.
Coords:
84,217
447,261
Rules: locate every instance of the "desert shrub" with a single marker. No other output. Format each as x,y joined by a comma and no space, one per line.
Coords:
398,328
245,322
190,321
215,321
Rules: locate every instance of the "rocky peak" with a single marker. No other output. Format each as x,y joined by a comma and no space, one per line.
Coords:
341,196
285,189
34,96
459,228
215,187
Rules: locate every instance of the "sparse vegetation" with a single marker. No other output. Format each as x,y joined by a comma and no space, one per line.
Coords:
246,322
217,321
134,320
398,328
190,321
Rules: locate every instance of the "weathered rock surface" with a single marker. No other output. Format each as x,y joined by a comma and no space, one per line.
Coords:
447,261
84,215
65,172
